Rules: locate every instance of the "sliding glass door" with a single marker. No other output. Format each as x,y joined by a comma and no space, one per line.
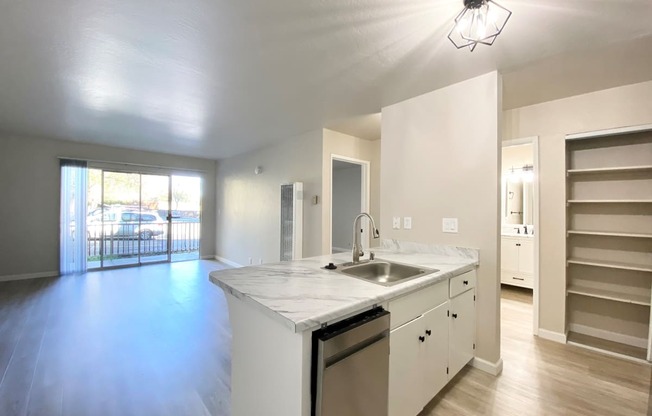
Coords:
130,220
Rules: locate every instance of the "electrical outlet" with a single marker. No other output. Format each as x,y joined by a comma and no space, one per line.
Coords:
396,223
407,223
449,225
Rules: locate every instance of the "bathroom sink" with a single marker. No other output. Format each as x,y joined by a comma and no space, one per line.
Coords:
383,272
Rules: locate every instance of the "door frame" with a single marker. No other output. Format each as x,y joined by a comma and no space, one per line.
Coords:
364,193
534,140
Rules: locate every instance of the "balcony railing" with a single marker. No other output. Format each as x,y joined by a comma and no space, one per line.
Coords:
119,240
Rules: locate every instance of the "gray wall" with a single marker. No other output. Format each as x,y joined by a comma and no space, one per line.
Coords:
346,203
441,158
249,205
30,186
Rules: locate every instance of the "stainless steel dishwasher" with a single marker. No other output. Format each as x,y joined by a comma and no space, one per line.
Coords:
350,366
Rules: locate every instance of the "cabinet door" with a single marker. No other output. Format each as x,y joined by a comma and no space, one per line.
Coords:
405,373
436,351
509,254
462,331
526,256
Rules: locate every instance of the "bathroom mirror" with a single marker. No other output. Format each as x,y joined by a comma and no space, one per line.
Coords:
517,199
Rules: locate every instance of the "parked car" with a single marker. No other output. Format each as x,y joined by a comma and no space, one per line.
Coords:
126,224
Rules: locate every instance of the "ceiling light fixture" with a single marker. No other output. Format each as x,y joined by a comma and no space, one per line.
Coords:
481,21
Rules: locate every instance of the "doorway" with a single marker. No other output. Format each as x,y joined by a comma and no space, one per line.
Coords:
136,218
349,197
519,269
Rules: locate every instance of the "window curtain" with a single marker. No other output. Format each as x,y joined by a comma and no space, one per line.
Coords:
74,179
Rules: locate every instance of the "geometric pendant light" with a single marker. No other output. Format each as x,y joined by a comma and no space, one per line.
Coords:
480,22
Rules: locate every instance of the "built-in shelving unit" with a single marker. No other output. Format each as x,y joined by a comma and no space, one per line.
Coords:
609,241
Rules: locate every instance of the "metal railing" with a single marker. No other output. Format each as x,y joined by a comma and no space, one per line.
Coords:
118,240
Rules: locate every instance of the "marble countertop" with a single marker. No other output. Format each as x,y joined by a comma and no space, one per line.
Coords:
302,295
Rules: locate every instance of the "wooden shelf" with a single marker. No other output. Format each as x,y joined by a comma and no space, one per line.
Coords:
609,201
608,234
608,347
610,295
610,264
621,169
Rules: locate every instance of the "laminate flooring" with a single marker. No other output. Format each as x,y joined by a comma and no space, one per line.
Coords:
151,340
155,340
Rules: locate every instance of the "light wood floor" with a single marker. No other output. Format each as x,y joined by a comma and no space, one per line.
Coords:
155,341
542,377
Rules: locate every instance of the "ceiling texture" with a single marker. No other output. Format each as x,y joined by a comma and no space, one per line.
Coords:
215,78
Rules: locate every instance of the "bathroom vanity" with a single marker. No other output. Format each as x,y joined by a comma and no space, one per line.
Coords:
274,310
517,260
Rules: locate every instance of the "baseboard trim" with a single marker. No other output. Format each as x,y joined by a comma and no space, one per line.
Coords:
228,262
608,335
553,336
488,367
11,277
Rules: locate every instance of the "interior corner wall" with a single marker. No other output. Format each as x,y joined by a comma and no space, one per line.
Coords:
440,157
249,205
336,143
30,189
616,107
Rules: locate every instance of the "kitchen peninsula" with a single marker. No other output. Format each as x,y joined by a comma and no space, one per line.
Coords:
275,308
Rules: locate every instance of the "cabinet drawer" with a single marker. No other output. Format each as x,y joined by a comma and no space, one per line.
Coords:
410,306
462,283
516,279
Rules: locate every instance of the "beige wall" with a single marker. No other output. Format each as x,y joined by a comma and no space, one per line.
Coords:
30,186
551,121
440,157
249,205
341,144
517,157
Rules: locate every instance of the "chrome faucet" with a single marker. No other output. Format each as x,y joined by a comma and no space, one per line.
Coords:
357,245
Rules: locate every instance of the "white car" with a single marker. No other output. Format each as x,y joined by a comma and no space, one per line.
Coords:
126,224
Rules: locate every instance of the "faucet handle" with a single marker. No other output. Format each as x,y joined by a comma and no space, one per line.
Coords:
372,255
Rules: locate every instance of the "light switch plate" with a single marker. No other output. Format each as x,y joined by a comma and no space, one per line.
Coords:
449,225
407,223
396,223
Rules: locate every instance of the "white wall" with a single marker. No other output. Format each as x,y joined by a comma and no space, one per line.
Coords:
440,157
341,144
551,121
30,186
346,204
249,205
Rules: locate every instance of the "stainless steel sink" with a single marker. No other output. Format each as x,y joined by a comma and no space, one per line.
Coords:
384,272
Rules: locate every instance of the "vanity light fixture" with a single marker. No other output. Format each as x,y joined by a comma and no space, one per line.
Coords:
481,21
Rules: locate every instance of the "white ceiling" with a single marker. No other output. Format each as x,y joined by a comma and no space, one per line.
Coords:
214,78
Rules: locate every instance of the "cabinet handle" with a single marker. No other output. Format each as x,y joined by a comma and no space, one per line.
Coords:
422,338
466,282
518,278
428,332
454,315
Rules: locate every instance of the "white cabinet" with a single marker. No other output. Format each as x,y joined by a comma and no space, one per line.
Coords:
432,339
517,261
417,364
462,331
